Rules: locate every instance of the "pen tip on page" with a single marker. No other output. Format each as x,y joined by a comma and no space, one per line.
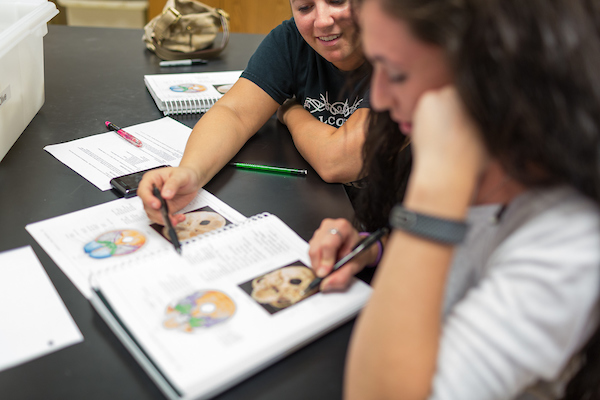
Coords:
314,284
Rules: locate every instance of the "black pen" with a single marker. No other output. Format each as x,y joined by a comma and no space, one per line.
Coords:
164,209
268,168
179,63
360,247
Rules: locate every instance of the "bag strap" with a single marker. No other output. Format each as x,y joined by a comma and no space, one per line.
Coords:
171,16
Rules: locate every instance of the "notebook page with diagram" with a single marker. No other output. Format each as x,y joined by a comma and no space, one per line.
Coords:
111,233
229,306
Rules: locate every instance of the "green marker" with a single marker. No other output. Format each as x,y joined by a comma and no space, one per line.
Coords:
266,168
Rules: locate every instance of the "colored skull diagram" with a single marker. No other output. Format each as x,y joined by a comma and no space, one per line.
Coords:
115,243
201,309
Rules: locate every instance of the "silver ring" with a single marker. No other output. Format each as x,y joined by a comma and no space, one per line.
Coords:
336,232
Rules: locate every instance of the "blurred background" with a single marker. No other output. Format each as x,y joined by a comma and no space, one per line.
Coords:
246,16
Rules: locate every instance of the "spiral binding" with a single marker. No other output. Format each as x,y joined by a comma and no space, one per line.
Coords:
227,227
188,106
126,262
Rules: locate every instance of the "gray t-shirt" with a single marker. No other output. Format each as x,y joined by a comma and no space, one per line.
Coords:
521,298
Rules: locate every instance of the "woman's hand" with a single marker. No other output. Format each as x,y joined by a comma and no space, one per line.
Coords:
177,185
334,239
449,155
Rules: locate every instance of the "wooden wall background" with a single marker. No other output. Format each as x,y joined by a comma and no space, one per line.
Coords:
246,16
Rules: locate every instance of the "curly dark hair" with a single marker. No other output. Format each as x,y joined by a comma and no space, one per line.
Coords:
528,72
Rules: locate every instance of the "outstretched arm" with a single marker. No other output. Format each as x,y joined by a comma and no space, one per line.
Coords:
222,132
215,139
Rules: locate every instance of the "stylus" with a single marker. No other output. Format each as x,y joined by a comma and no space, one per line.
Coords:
360,247
164,209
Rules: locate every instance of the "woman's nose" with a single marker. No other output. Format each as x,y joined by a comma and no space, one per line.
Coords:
324,17
380,86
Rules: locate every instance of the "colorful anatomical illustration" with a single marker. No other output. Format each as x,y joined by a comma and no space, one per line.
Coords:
188,88
115,243
201,309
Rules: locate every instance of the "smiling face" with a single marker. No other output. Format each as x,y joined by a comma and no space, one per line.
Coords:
404,67
327,26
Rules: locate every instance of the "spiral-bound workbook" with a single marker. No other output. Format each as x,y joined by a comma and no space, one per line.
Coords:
191,92
229,306
198,323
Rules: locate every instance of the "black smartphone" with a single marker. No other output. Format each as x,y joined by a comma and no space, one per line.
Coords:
127,185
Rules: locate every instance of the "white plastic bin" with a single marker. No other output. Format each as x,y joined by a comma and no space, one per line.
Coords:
106,13
22,28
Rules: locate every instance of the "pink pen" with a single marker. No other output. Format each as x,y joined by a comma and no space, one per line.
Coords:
127,136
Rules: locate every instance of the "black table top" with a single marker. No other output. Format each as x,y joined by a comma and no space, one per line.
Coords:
95,74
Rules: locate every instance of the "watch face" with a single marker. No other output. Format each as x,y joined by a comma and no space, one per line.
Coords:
402,218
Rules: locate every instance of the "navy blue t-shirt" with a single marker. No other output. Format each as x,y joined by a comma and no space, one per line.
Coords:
284,66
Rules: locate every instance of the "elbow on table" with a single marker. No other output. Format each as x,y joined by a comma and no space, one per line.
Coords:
331,176
334,173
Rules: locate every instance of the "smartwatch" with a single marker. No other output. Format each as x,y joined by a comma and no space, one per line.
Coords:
445,231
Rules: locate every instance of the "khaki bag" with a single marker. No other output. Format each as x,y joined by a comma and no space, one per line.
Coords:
186,29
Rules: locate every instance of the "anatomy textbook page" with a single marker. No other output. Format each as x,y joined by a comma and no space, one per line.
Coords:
235,305
33,318
119,231
101,157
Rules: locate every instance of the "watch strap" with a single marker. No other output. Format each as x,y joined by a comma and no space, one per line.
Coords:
440,230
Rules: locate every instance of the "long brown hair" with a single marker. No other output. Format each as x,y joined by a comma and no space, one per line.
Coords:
528,74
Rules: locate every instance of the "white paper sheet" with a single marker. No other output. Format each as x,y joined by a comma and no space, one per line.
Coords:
67,238
33,319
99,158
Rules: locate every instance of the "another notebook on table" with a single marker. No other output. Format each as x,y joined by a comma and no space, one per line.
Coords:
190,92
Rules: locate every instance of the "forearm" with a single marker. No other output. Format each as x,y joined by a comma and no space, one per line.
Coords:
226,127
335,153
213,143
394,348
